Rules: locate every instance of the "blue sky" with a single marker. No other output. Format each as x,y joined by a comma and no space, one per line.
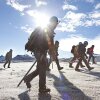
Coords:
80,21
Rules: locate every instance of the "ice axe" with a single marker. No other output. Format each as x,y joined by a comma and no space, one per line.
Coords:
26,74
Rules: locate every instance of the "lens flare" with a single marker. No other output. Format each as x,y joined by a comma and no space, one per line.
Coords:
41,20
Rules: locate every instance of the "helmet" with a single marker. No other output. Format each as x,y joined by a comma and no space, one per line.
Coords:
85,43
80,43
10,49
56,41
54,19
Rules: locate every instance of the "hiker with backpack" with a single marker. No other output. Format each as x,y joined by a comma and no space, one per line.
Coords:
90,53
82,56
8,58
56,60
39,43
75,54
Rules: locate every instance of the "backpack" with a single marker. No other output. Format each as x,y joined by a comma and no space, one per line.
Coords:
6,56
88,51
37,40
81,49
73,48
77,49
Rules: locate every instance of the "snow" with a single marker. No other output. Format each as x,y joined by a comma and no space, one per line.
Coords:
66,84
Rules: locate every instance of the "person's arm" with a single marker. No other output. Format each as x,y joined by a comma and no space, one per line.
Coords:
52,50
51,46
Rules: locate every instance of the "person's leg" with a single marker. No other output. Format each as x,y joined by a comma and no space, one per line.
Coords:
32,75
86,63
42,75
71,62
48,64
78,63
89,58
5,63
9,63
93,60
58,65
81,65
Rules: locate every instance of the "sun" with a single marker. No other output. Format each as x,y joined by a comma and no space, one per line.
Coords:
41,19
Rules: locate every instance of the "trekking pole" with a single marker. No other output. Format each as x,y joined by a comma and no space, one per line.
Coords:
26,74
52,64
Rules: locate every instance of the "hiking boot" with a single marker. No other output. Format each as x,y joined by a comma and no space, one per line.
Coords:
4,66
60,68
70,66
27,83
77,70
94,63
45,90
91,68
82,66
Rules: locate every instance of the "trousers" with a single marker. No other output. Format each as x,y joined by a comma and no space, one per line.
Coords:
40,69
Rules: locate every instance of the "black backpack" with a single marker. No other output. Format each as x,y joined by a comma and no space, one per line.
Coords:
37,40
81,49
73,47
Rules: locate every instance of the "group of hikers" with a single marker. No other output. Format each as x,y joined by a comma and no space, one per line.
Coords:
41,42
80,54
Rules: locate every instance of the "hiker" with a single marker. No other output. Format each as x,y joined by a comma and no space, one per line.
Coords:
75,54
82,56
56,60
8,58
90,53
45,41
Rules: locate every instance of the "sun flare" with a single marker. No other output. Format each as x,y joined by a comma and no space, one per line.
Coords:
41,19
